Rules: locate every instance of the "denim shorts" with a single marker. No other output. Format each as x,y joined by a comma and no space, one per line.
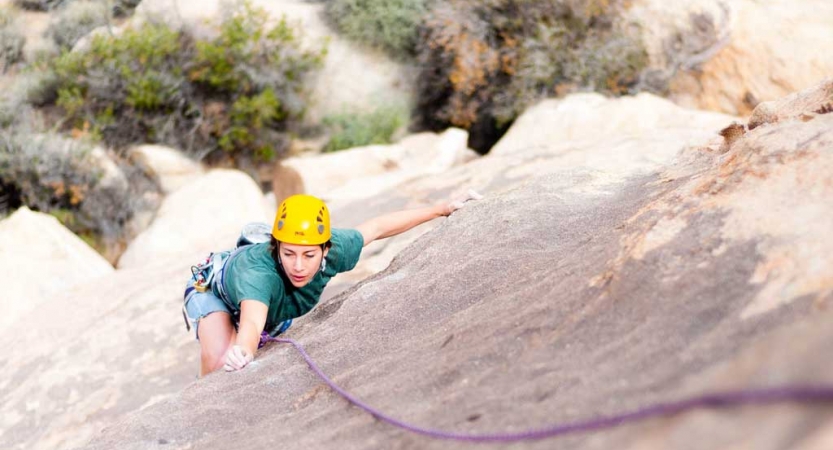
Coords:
200,304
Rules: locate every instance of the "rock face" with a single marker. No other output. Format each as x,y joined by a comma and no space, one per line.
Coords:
40,259
594,278
733,54
569,292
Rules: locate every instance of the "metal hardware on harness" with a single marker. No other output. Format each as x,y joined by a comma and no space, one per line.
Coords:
200,287
206,275
202,275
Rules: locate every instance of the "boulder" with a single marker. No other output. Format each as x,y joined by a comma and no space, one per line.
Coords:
112,177
729,55
39,259
589,118
170,168
365,171
803,106
203,216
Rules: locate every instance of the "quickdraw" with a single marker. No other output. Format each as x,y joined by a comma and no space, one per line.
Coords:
201,274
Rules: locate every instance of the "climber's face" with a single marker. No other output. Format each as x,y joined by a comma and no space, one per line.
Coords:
301,262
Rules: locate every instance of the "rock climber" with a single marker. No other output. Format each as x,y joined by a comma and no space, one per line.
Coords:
261,287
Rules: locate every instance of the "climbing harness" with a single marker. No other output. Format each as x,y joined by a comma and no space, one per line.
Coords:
203,273
208,275
794,393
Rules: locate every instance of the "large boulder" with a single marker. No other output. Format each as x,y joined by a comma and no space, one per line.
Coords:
590,118
170,168
39,259
577,290
191,220
351,75
363,172
728,55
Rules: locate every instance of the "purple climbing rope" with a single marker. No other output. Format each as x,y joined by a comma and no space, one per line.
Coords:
795,393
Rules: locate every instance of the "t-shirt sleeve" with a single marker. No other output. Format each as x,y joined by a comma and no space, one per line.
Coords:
346,249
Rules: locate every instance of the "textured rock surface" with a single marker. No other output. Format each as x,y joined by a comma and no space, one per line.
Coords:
565,296
594,278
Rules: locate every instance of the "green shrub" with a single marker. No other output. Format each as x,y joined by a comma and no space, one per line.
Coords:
75,20
11,38
355,130
53,174
15,111
47,171
236,95
483,62
387,24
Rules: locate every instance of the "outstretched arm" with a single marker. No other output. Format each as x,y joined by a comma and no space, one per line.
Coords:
252,319
401,221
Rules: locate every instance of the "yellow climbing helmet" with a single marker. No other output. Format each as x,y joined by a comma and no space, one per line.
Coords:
302,220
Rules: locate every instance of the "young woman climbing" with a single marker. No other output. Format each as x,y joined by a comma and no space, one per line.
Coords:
262,287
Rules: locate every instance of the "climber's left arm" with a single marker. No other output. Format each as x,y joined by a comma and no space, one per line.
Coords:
391,224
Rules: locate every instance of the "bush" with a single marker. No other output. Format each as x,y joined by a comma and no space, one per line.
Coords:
355,130
46,171
76,20
11,38
483,62
387,24
15,111
239,92
63,177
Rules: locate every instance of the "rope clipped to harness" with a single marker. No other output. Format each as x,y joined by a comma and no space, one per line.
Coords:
793,393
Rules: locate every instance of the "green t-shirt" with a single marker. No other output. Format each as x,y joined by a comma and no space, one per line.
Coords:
251,275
